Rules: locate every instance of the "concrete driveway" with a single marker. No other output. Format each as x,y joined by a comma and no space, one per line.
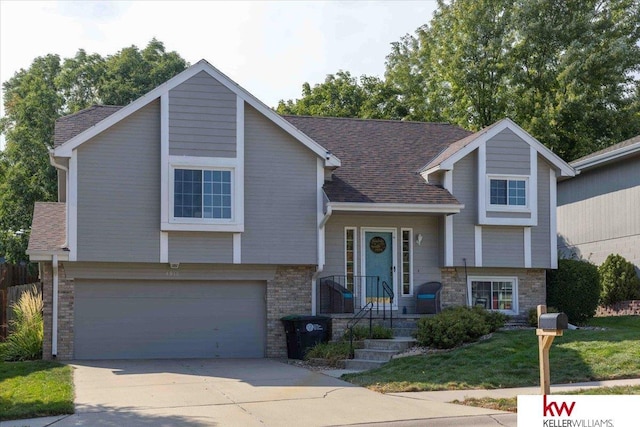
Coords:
242,392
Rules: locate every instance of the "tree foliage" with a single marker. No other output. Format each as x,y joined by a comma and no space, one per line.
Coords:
574,288
34,98
342,95
618,280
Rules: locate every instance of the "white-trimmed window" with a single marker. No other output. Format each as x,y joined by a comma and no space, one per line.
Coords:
202,193
407,261
350,256
494,293
508,192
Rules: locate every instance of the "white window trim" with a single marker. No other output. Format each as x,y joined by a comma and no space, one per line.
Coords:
355,251
515,307
401,284
508,208
235,224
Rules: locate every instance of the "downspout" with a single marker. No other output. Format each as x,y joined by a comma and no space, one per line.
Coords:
54,315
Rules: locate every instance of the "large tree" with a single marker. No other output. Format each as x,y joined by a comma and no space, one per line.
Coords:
34,98
565,71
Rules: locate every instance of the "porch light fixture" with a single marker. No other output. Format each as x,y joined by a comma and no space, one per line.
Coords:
419,239
174,265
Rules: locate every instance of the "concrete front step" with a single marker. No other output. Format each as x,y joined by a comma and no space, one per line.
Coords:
374,354
378,352
403,332
362,365
399,344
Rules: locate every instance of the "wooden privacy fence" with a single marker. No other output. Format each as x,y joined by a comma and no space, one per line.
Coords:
14,280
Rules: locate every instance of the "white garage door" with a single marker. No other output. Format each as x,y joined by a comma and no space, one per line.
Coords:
141,319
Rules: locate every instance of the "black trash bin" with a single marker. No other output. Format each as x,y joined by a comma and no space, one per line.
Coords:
304,332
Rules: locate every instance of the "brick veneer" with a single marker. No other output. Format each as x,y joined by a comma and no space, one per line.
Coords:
65,312
531,285
288,293
622,308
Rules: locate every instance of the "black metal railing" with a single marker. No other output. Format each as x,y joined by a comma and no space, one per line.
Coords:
346,293
354,321
388,294
343,293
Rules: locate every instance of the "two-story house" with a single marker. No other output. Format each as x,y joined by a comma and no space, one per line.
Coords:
191,220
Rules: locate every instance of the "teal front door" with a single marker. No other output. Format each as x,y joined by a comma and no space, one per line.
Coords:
378,262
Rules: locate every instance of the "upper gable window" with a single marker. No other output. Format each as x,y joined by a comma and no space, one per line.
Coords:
202,194
508,192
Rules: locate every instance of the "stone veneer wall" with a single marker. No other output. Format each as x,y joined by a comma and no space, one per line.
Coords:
65,312
532,289
288,293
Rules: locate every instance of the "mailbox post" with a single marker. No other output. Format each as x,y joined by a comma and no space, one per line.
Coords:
549,326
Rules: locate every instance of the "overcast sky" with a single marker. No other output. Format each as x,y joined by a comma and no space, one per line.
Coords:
270,47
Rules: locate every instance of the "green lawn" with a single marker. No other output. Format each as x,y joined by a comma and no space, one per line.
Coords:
35,389
510,359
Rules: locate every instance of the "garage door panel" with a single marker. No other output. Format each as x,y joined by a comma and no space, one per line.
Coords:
166,320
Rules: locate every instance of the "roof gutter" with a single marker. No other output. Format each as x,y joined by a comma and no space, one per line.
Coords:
605,157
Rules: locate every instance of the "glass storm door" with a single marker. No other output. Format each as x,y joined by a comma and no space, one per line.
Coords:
378,262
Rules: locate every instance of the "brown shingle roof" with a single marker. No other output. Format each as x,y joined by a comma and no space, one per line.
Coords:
69,126
451,149
48,229
615,147
381,158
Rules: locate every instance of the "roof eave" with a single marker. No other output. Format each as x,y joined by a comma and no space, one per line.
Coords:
47,255
442,208
606,157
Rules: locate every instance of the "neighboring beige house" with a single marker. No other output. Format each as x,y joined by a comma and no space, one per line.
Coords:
191,220
599,209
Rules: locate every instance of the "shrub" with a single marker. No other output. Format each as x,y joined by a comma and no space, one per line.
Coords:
574,288
618,280
332,352
457,325
378,332
25,340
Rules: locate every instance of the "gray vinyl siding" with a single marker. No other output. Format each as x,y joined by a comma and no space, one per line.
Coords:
508,154
280,196
200,247
541,234
119,191
502,246
465,189
426,257
202,118
519,215
130,319
598,213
